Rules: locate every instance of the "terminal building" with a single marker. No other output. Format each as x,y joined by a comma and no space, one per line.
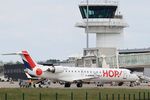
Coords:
14,71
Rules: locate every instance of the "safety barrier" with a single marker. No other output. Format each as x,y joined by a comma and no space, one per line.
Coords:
100,96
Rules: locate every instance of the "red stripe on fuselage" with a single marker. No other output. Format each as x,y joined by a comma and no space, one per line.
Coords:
29,59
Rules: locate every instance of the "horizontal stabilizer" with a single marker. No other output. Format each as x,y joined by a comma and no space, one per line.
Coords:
27,60
17,53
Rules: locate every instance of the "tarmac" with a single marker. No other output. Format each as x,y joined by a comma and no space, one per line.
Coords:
73,86
9,84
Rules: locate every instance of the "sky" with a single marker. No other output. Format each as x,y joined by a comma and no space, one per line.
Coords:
46,28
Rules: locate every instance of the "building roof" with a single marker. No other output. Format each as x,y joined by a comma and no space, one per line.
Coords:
129,51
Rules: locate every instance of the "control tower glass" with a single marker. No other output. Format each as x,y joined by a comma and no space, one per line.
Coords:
98,11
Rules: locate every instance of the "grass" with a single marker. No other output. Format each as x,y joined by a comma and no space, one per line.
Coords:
78,94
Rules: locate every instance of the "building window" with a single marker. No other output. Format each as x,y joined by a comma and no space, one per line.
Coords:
93,61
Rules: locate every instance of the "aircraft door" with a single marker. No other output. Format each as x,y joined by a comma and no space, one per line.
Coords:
125,75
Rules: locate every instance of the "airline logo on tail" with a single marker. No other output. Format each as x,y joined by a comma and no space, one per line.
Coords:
28,62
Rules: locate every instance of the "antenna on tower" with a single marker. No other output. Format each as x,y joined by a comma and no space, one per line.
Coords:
87,26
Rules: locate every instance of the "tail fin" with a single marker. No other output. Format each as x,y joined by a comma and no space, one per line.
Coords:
27,60
29,63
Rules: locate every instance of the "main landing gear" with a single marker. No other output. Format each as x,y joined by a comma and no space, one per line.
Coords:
79,84
132,84
67,84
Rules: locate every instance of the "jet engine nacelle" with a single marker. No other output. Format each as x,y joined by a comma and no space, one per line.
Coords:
56,69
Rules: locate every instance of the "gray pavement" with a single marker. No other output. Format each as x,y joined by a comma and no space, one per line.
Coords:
73,86
9,85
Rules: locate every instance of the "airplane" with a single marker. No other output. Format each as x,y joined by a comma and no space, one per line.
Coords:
78,75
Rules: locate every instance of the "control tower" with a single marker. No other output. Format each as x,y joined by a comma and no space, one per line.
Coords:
104,20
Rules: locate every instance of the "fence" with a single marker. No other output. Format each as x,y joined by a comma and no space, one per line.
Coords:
71,96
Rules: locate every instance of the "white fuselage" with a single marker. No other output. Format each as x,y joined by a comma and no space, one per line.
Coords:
71,74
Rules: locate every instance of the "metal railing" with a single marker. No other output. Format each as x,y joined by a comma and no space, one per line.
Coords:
71,96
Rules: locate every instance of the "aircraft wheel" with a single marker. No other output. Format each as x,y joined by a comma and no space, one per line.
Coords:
40,86
67,84
120,84
100,85
34,86
131,84
79,84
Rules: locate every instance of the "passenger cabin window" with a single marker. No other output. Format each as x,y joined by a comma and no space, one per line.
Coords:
94,61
